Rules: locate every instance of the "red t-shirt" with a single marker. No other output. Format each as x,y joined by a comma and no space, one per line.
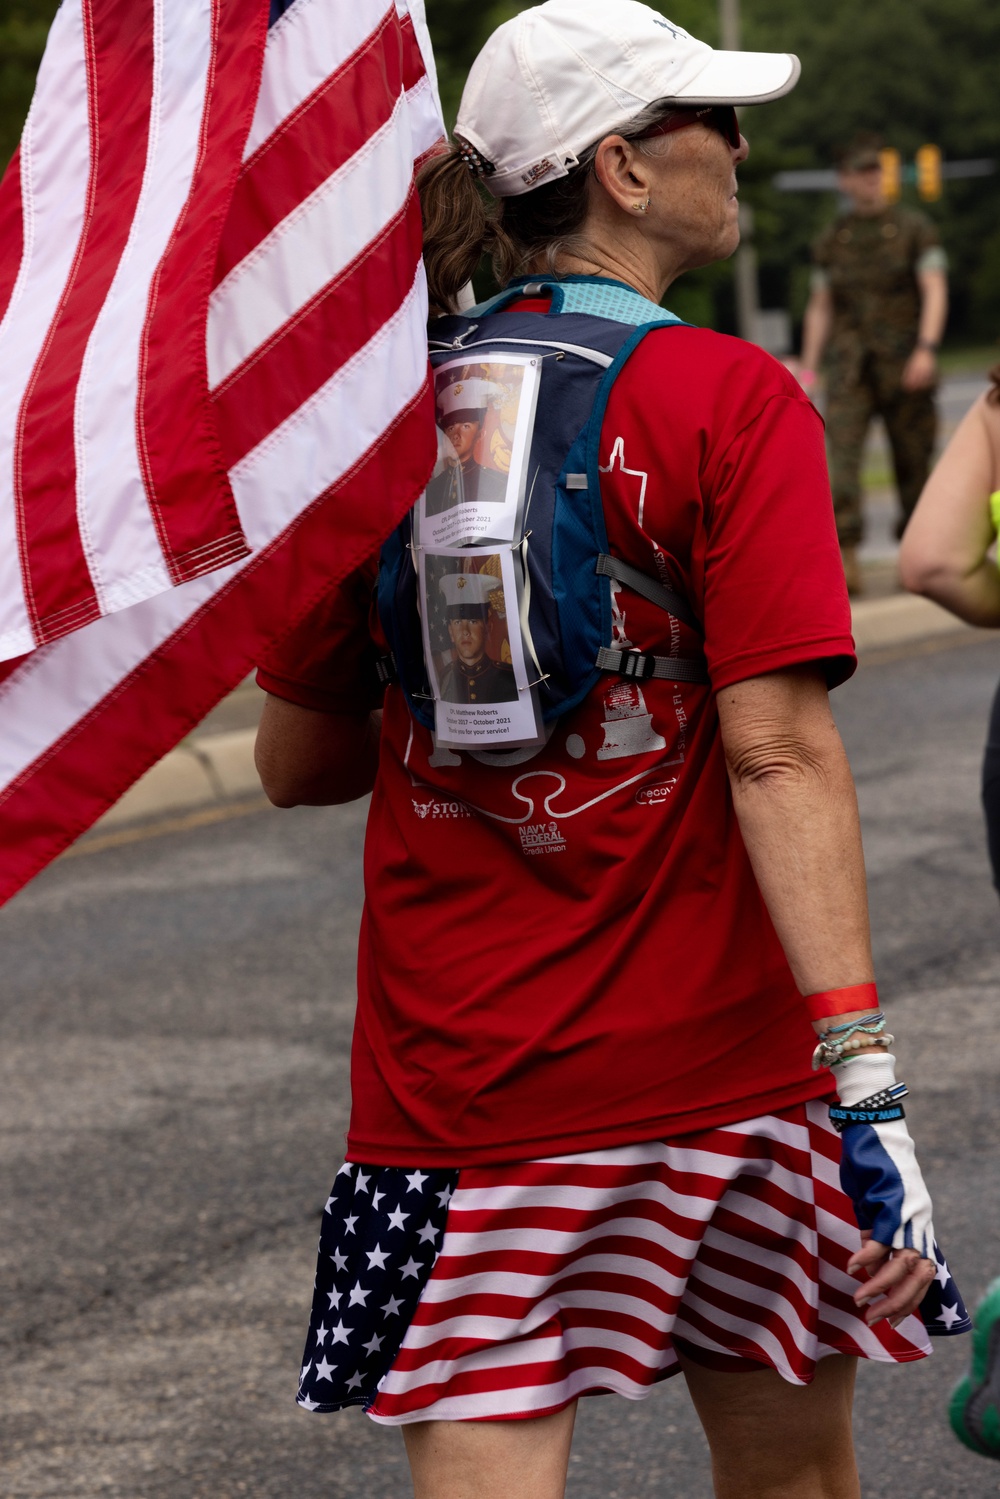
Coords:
572,952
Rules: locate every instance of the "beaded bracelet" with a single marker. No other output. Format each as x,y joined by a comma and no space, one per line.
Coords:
860,1033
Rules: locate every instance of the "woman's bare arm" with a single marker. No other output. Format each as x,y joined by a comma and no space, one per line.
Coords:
794,796
944,553
310,759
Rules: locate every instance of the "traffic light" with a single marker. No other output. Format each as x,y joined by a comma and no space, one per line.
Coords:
929,173
892,173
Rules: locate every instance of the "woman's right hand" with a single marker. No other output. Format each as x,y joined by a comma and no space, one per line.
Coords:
898,1280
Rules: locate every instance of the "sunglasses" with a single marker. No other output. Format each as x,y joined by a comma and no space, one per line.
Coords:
720,117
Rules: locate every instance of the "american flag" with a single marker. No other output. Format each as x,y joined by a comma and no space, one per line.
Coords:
214,397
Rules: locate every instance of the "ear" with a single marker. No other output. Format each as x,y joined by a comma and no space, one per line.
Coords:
622,171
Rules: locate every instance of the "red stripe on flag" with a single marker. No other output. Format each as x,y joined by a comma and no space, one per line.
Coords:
413,61
331,328
543,1265
11,229
588,1174
10,666
770,1240
186,481
58,586
764,1274
325,131
67,788
562,1219
478,1302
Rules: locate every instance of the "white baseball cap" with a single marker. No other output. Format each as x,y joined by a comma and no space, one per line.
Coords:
553,80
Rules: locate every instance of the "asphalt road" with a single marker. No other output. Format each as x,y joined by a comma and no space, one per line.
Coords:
173,1096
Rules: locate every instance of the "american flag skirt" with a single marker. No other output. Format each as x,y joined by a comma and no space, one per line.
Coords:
504,1291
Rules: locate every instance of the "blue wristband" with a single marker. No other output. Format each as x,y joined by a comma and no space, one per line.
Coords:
840,1117
880,1108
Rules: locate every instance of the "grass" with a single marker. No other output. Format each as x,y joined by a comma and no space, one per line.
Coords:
968,359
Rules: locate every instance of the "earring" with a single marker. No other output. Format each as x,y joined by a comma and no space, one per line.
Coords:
641,207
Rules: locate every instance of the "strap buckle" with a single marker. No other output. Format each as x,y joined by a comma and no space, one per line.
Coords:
637,666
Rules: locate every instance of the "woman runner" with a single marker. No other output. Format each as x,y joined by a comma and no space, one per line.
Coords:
588,1147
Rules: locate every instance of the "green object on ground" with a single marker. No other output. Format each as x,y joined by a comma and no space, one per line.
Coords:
975,1405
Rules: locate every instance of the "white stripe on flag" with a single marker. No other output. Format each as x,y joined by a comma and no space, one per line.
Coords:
616,1299
309,43
55,169
548,1239
63,681
297,461
123,547
310,247
425,116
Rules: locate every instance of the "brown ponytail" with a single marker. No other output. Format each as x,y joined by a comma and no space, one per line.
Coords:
462,224
993,394
456,227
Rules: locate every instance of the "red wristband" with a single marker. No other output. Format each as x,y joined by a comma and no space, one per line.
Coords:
842,1001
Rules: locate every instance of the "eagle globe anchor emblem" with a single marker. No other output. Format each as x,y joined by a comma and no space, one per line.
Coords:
628,726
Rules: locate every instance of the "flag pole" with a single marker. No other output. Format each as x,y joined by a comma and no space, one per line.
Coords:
745,260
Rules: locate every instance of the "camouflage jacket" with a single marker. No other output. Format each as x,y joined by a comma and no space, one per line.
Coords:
870,265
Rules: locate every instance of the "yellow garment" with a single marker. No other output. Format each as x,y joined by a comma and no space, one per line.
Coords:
500,451
995,510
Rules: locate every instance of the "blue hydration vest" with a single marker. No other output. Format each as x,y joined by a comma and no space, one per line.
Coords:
581,345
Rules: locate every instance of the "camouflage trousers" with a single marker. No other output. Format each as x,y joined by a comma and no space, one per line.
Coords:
910,419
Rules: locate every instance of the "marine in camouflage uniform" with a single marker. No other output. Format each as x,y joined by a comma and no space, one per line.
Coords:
870,264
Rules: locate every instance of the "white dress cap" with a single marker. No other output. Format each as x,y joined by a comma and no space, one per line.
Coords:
466,398
471,590
559,76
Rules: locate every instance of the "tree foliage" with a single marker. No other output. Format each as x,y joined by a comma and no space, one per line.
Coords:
24,25
914,70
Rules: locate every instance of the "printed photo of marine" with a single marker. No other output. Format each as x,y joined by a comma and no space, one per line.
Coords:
461,415
473,676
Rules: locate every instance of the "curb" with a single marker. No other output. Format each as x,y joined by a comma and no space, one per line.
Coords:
899,619
200,771
208,769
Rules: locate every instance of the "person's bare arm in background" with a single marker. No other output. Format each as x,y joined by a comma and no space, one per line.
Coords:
816,327
944,553
920,370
